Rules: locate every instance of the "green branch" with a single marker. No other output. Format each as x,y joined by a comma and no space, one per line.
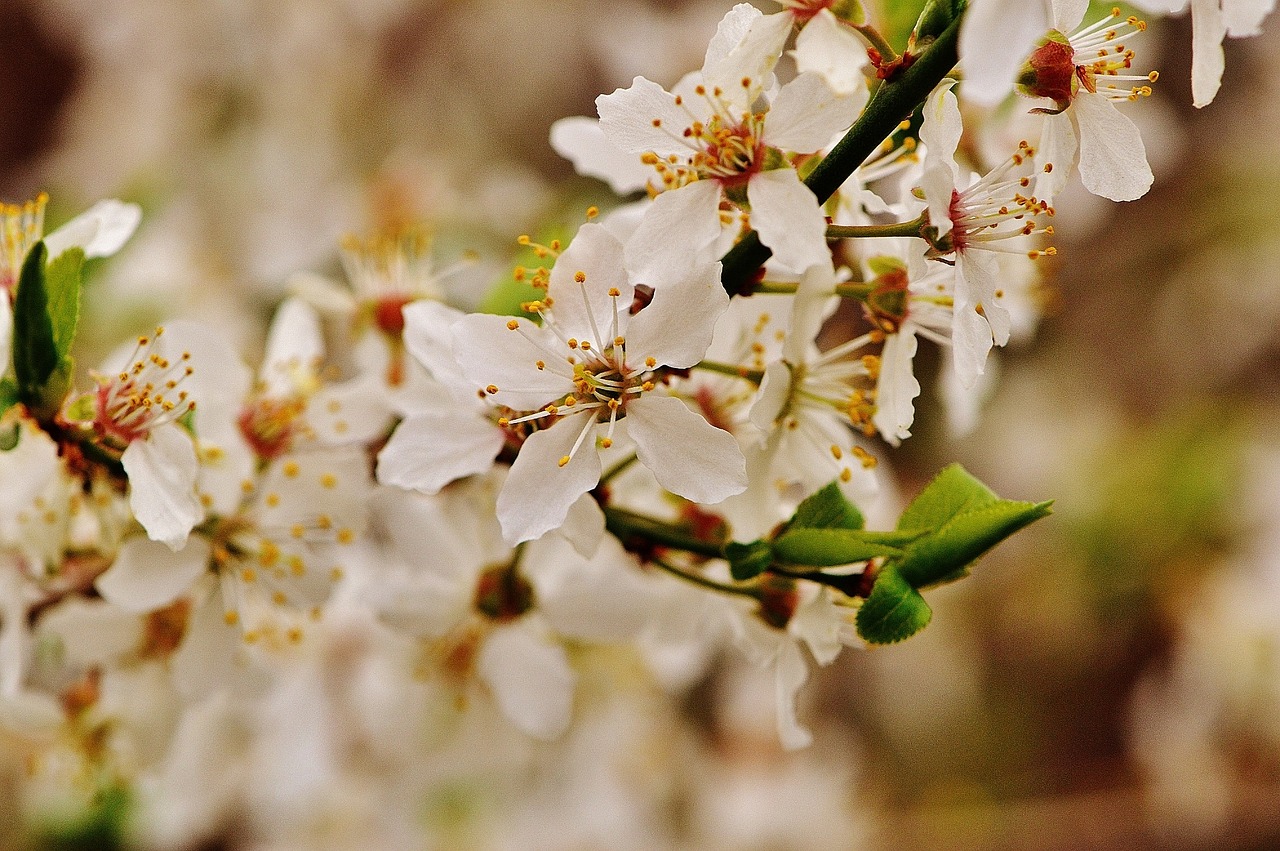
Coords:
892,102
911,228
696,579
627,525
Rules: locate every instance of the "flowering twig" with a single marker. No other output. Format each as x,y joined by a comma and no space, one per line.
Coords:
893,101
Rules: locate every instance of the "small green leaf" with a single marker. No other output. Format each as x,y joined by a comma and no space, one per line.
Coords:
952,491
827,509
831,547
62,283
747,561
893,611
35,356
946,552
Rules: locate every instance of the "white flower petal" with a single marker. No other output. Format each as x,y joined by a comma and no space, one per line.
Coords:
674,233
1067,14
100,231
791,674
897,386
147,576
530,678
582,309
602,599
643,118
753,55
676,327
942,126
1058,146
820,623
538,492
1207,58
1244,17
730,32
995,39
1113,161
938,182
432,448
491,354
583,142
789,219
583,526
355,411
162,471
772,397
806,114
295,347
827,47
687,455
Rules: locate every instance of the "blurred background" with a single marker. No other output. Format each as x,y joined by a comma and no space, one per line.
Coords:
1109,678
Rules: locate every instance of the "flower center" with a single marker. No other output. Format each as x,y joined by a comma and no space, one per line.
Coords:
145,395
269,425
725,145
1094,58
995,209
602,380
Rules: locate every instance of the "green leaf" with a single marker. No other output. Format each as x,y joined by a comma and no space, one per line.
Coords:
831,547
945,553
952,491
893,611
827,509
35,355
62,283
747,561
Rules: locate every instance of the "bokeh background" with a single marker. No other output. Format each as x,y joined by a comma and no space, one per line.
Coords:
1109,678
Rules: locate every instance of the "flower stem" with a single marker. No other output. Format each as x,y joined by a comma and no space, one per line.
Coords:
703,581
873,38
892,102
617,469
628,526
852,289
755,376
850,585
911,228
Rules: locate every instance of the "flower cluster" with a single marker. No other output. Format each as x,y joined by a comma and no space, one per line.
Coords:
670,444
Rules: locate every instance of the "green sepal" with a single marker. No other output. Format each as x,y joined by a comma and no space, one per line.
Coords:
827,508
747,561
832,547
35,355
893,611
951,492
83,410
945,554
850,12
9,395
62,284
10,434
883,264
